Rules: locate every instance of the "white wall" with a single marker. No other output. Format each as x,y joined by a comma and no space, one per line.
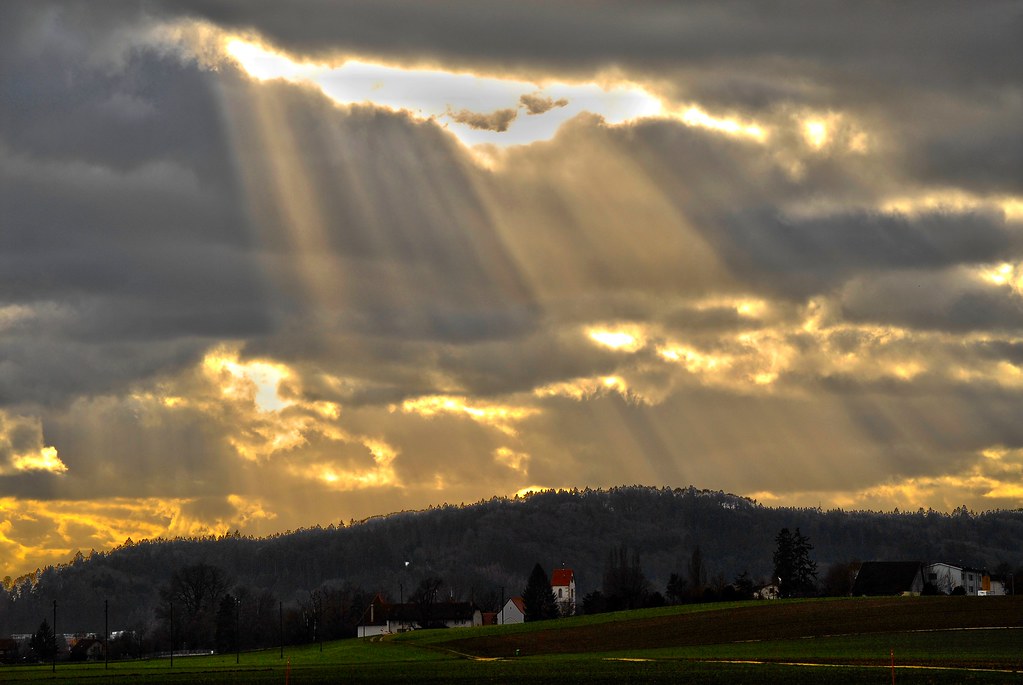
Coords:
510,614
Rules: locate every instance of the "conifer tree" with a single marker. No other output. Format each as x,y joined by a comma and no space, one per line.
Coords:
795,572
44,642
539,597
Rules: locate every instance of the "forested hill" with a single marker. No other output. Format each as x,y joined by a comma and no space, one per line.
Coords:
478,549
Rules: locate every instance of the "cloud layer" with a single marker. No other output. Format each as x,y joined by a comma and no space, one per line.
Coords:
392,254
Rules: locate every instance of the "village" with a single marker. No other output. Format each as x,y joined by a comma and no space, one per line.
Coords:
428,611
874,578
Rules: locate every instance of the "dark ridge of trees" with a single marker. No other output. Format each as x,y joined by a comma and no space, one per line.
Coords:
482,547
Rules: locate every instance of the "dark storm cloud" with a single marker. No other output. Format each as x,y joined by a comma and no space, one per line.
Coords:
934,301
947,41
806,256
121,221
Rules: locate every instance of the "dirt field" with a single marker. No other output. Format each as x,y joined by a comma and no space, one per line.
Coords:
759,621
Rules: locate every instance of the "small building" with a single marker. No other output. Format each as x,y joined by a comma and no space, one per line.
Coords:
771,591
563,586
87,649
374,618
878,578
383,618
513,611
8,651
402,617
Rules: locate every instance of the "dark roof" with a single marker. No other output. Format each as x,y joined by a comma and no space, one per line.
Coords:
887,577
441,611
378,610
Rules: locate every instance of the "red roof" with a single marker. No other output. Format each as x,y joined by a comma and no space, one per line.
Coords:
562,577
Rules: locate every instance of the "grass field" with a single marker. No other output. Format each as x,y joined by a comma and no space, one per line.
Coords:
934,640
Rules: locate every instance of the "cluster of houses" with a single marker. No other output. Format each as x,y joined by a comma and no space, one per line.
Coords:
874,578
916,578
76,647
382,617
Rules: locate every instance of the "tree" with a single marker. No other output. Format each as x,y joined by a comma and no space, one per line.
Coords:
425,597
594,603
743,585
625,586
795,572
539,597
697,572
193,596
838,580
43,643
227,624
675,591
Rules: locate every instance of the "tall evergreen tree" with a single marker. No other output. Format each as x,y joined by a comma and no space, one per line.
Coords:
227,624
795,572
675,592
539,597
697,572
43,643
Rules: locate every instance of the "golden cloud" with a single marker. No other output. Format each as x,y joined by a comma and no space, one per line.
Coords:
36,533
503,417
993,476
22,447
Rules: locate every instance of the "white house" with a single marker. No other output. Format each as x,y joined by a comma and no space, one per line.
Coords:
374,619
946,578
513,611
563,586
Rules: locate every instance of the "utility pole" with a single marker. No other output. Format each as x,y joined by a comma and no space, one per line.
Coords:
237,629
53,659
106,634
280,611
172,632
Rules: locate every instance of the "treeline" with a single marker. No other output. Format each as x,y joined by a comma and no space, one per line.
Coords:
486,550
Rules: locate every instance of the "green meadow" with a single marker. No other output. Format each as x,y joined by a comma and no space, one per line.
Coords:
931,640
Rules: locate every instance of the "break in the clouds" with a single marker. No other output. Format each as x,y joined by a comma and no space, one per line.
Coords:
265,269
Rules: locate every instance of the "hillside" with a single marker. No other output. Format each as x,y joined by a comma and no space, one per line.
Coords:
485,549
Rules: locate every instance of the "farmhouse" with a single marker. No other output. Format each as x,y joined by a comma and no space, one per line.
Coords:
946,578
914,578
87,649
889,578
513,611
382,618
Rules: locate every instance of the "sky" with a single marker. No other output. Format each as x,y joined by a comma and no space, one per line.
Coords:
266,266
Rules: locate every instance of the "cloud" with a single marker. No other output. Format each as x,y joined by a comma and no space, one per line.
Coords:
22,448
536,103
495,121
264,269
